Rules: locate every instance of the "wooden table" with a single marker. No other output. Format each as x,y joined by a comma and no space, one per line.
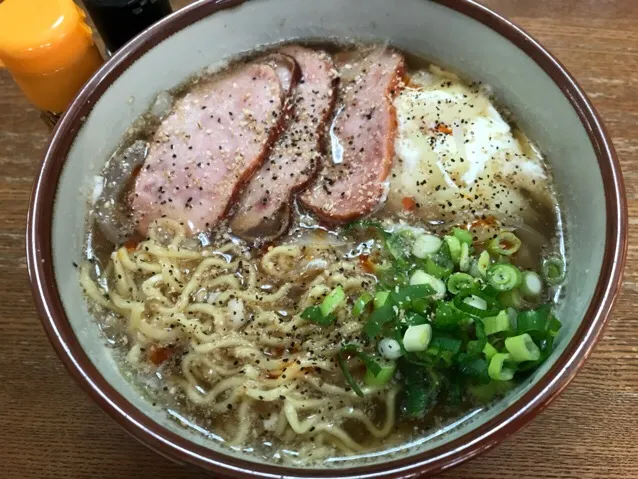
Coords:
49,428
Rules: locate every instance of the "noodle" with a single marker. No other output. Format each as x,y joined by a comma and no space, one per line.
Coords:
240,345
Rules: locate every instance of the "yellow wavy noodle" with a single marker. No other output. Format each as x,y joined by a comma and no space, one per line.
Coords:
244,353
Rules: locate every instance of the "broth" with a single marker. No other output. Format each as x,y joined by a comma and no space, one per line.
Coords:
219,330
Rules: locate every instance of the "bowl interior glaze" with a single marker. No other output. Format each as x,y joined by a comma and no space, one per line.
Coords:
169,54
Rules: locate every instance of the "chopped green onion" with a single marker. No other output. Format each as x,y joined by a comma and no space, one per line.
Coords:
503,277
454,245
475,348
380,298
390,348
417,338
420,391
370,363
421,305
314,314
489,351
332,301
399,244
425,245
497,324
384,266
476,302
464,236
458,282
534,322
511,299
414,319
445,347
420,277
348,375
505,243
447,317
553,269
483,263
439,266
485,393
475,367
475,305
553,326
406,294
531,284
522,348
361,303
464,260
379,318
383,376
498,370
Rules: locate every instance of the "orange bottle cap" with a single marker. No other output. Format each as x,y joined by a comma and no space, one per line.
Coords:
42,36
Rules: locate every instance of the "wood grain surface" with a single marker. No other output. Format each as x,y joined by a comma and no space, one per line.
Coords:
50,429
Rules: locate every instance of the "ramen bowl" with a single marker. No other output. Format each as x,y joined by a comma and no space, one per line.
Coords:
458,34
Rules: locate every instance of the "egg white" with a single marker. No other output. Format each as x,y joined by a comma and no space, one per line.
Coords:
456,156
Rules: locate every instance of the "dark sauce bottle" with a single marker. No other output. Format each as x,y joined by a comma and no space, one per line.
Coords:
120,20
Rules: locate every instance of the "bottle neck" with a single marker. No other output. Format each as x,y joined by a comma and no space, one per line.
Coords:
118,21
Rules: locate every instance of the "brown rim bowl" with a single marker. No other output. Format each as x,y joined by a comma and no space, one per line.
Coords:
460,34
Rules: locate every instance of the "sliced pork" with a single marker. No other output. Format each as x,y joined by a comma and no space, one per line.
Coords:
217,135
362,137
264,207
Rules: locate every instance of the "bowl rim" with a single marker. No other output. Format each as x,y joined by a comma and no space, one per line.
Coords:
182,450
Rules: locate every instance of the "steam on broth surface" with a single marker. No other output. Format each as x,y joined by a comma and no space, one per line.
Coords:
322,252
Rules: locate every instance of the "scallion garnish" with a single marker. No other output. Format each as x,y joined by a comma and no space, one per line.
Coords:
464,236
439,265
370,364
420,277
553,269
531,284
500,368
425,245
390,348
497,324
483,263
444,347
383,376
477,305
454,245
449,317
314,314
380,298
458,282
505,243
421,389
522,348
417,338
332,301
323,314
503,277
511,299
361,303
489,351
413,319
464,259
380,317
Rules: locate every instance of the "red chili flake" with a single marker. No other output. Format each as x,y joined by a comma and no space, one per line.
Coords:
366,263
158,354
131,243
443,128
483,222
409,204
